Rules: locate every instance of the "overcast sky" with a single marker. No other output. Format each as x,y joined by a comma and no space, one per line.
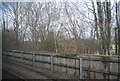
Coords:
79,18
54,0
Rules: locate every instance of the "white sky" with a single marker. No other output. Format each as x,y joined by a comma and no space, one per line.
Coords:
53,0
88,32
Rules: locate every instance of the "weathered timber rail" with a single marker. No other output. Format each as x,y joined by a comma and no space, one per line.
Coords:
85,67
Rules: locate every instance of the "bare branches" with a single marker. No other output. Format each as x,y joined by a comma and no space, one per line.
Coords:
48,23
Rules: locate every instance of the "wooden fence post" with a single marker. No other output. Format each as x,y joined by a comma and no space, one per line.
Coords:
90,64
21,57
66,65
51,62
81,68
4,54
33,60
12,55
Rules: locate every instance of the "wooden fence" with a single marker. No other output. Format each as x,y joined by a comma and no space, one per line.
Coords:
85,67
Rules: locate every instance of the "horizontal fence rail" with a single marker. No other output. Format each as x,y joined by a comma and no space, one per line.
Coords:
85,67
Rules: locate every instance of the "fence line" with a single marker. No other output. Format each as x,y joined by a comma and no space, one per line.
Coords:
84,67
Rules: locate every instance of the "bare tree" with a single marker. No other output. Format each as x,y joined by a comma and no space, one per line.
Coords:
118,26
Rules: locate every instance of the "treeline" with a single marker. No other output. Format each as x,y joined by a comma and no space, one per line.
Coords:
47,26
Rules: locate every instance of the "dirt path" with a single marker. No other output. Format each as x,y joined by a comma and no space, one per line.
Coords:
22,72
